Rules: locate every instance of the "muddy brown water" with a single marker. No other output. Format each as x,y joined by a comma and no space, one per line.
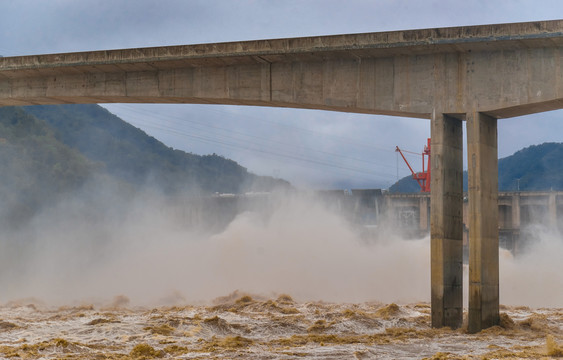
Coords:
254,327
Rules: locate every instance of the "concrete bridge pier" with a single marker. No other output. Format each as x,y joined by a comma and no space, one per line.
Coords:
483,221
446,221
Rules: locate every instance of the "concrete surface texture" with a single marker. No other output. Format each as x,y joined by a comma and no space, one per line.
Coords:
478,73
504,70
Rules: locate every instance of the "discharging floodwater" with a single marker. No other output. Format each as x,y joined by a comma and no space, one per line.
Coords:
168,276
251,327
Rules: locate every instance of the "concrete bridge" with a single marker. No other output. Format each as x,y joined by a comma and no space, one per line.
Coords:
476,74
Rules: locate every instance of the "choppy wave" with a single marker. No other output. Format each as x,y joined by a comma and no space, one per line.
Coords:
253,327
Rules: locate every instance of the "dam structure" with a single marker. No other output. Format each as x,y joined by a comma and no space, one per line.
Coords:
476,74
519,212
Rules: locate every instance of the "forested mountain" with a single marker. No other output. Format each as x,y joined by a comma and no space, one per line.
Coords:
535,168
36,167
130,154
47,152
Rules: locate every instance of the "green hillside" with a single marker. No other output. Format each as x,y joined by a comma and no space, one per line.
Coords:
535,168
36,167
49,152
539,167
131,155
405,185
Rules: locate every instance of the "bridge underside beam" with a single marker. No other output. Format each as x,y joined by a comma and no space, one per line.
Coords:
483,222
507,83
447,221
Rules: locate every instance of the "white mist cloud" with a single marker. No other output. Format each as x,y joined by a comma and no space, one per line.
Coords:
148,255
534,277
156,251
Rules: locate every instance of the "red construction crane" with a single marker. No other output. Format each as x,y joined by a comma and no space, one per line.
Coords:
422,178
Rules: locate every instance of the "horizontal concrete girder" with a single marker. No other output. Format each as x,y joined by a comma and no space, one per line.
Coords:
507,70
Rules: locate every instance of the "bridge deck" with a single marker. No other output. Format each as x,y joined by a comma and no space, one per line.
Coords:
318,48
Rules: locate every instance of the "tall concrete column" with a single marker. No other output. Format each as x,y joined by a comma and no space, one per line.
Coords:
516,212
483,222
553,210
389,210
423,211
515,226
446,226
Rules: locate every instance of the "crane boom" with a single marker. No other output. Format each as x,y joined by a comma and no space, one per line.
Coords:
422,178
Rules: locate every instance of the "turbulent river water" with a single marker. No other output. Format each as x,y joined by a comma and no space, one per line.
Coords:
252,327
347,297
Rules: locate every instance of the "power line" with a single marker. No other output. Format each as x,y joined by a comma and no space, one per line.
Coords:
268,142
276,154
341,139
256,143
183,122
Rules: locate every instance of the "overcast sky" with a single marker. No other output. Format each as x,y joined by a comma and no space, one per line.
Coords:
309,148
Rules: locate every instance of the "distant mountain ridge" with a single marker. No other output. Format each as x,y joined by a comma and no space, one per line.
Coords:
48,152
36,167
537,167
131,155
534,168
